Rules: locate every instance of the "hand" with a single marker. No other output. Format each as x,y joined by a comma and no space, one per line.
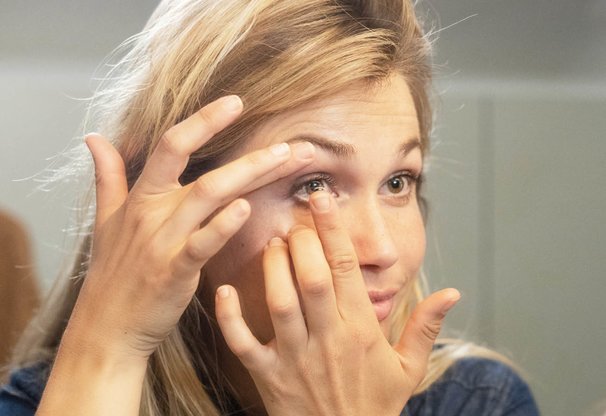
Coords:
149,245
333,359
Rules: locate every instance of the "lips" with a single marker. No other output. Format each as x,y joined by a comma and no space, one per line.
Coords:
382,302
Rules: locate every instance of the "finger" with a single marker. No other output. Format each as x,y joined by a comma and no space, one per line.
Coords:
220,186
352,297
206,242
236,332
282,299
421,331
169,159
110,177
314,279
301,155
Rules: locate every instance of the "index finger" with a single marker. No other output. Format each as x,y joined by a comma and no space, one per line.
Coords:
169,159
350,290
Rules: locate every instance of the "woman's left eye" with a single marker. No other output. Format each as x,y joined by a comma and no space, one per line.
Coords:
401,185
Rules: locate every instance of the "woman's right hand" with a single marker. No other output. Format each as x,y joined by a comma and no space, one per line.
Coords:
149,244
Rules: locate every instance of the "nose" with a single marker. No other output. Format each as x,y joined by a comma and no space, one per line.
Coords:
370,232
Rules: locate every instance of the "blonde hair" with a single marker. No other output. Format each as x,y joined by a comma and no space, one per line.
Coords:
275,55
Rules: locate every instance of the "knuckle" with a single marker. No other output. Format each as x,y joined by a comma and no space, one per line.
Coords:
206,187
244,351
194,252
303,367
299,231
99,178
157,250
431,330
361,336
168,142
330,226
284,311
342,262
317,287
428,329
135,214
333,354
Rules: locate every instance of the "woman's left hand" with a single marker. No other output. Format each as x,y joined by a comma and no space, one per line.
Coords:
333,358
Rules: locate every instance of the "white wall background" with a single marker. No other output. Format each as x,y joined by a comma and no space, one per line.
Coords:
517,189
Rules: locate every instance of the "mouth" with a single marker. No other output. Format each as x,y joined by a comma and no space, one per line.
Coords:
382,302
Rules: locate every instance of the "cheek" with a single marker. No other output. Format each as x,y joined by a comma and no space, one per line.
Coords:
410,238
418,240
240,264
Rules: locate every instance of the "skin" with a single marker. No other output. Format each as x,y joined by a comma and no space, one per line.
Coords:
149,247
386,228
383,221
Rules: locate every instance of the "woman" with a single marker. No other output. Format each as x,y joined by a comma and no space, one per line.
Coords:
258,234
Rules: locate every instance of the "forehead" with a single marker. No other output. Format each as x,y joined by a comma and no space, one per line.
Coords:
361,116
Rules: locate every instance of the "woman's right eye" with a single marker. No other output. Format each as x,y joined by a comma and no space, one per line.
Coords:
303,189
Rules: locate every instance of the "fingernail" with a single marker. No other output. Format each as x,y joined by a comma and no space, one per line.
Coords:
276,241
452,301
240,208
321,201
223,292
303,150
231,103
280,149
90,135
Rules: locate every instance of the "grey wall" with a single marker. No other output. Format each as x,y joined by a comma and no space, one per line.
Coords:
515,180
518,223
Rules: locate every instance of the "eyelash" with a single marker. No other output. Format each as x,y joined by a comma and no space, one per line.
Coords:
413,180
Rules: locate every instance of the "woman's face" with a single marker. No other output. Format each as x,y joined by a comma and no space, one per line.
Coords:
368,156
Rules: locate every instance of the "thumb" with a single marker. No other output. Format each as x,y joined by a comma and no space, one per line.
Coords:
110,177
421,331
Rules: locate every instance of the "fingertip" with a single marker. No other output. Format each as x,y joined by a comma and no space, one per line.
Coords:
91,135
452,297
452,294
223,292
304,151
231,103
90,138
241,208
321,201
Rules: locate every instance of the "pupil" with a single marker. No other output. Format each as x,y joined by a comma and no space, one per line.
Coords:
315,186
395,185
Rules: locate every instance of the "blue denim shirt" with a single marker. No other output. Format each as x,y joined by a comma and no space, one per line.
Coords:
472,386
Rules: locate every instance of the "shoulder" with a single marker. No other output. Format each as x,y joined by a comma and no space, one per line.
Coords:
21,396
475,386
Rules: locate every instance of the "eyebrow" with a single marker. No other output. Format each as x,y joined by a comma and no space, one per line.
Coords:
339,149
345,150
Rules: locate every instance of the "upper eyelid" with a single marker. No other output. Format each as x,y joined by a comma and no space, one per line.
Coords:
310,177
413,174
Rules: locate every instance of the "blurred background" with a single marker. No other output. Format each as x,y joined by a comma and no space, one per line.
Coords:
516,175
